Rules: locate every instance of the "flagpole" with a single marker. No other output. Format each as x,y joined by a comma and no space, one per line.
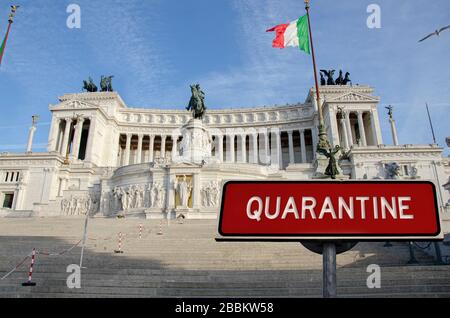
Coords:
10,22
431,124
323,138
6,40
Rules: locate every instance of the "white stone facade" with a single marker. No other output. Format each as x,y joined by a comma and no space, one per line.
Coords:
110,159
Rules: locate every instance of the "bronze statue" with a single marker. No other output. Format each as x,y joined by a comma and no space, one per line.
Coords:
329,74
106,84
89,86
346,79
197,102
340,79
322,80
390,111
332,169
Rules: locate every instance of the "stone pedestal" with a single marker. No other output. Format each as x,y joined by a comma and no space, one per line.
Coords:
320,165
154,214
196,144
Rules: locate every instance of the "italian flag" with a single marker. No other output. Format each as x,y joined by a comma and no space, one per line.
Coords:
293,34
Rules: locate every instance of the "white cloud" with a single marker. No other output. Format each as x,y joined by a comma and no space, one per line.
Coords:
267,75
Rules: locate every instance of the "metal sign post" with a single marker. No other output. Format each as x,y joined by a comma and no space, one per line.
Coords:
329,270
84,239
329,217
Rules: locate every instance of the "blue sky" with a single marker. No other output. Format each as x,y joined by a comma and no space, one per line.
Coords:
156,48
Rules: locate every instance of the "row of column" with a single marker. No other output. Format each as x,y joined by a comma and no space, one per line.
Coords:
127,151
347,130
61,142
261,150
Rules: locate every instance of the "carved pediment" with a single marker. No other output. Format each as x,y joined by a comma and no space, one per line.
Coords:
76,104
354,97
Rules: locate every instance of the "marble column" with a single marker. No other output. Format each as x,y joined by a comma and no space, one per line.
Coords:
394,131
291,147
77,138
275,149
333,127
163,147
65,143
349,129
90,151
231,150
344,133
139,149
126,160
174,147
362,131
54,134
151,155
255,148
220,148
303,145
243,156
377,127
60,137
267,148
30,138
279,149
373,127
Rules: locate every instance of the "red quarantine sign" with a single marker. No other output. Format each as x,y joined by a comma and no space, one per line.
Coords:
362,210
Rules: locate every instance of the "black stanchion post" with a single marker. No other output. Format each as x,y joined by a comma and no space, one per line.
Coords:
412,257
329,270
437,249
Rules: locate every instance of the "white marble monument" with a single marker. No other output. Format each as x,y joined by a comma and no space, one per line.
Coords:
107,159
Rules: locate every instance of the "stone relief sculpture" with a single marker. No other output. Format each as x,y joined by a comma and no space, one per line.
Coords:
126,198
414,172
183,188
79,205
161,195
210,194
392,170
153,191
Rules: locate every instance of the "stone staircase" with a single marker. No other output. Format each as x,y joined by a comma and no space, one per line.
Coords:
185,261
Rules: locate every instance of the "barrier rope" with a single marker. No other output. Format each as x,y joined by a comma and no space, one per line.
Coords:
72,247
17,266
60,253
422,248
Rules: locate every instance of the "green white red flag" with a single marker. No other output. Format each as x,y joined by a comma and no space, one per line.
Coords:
293,34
